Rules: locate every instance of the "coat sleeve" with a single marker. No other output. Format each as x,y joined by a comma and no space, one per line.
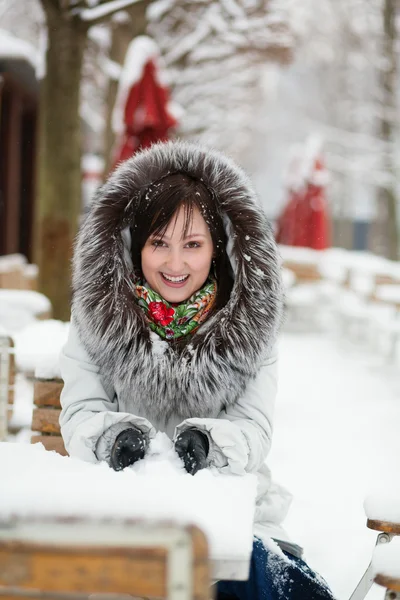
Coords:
90,420
240,437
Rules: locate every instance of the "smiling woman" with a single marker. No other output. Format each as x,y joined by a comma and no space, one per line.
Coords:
176,310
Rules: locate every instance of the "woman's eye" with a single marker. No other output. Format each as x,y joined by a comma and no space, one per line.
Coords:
158,243
193,245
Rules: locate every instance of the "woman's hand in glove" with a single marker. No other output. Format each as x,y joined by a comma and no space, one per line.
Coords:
129,446
192,447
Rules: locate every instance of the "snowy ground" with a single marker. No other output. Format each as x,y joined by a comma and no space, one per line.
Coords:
336,436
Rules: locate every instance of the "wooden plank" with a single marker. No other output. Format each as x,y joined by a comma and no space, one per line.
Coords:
303,272
384,526
390,583
46,420
141,571
51,442
46,392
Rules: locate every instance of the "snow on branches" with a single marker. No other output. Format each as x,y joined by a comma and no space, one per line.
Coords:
216,53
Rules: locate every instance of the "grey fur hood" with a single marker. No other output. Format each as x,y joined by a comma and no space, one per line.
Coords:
212,370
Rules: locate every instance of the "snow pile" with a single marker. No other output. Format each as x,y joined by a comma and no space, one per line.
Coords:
19,308
38,346
23,405
38,484
383,505
386,559
27,300
9,262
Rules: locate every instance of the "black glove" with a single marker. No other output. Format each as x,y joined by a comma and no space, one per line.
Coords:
129,446
192,447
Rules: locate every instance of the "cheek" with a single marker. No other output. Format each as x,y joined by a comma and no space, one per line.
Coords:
203,261
149,260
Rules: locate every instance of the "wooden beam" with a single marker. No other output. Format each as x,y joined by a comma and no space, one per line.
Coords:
13,160
46,420
47,392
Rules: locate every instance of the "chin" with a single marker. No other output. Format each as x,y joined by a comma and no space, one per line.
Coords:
176,296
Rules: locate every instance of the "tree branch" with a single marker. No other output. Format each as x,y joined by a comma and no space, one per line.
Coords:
102,12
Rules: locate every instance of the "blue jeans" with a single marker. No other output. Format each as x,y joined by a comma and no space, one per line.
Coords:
273,578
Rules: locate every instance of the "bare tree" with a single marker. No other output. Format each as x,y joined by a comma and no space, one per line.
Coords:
59,176
388,203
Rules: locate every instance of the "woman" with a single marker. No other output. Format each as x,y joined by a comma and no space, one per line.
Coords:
176,308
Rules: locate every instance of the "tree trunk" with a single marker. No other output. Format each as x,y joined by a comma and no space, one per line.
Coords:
59,172
388,233
122,35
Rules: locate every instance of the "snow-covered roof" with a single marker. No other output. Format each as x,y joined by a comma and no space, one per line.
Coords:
13,47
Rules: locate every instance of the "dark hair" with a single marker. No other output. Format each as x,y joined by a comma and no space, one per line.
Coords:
157,206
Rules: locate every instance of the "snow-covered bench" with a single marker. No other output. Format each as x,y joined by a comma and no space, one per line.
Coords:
386,567
16,273
149,559
43,486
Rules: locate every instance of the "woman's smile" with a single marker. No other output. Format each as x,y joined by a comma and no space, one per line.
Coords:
175,280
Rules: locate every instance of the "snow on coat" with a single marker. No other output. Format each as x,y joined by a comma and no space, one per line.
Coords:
119,373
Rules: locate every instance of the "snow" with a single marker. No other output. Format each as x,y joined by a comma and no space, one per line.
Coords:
56,486
102,10
335,438
92,163
388,293
10,261
37,348
13,47
23,404
159,346
386,559
19,308
29,300
157,9
384,505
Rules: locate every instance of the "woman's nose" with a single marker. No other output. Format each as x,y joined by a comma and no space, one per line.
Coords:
175,262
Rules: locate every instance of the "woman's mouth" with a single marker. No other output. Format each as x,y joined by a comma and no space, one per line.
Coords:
174,281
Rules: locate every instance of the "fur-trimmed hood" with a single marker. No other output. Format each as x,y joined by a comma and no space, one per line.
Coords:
220,358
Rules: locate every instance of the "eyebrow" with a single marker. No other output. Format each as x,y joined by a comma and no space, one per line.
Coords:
187,237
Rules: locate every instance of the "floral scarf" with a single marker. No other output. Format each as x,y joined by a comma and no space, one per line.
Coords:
173,321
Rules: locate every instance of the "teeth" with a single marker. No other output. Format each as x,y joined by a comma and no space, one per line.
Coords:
175,279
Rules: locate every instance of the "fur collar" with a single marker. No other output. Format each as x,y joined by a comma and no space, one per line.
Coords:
214,368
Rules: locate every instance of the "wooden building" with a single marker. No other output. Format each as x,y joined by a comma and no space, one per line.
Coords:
18,124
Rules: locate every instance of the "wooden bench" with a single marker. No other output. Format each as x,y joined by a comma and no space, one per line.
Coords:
304,272
7,382
387,530
46,414
392,584
55,558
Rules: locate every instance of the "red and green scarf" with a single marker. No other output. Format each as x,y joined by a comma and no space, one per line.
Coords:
172,321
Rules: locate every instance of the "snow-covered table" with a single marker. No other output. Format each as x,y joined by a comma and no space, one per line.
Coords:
37,484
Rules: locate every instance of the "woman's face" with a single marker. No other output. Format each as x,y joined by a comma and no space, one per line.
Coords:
177,265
